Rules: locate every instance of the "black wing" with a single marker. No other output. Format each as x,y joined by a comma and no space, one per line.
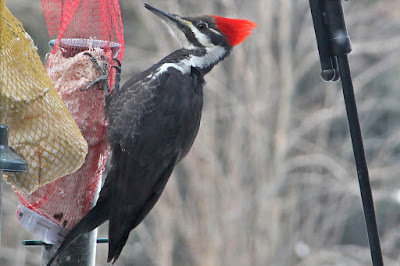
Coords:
152,125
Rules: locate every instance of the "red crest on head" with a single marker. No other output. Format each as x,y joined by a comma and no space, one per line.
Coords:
235,30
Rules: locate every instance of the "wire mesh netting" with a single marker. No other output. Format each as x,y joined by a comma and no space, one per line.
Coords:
41,129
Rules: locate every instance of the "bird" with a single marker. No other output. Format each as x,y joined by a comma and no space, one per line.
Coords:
153,120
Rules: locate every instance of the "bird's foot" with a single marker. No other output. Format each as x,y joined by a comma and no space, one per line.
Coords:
103,75
103,78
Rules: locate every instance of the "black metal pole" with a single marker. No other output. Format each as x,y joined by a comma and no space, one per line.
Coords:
334,46
361,163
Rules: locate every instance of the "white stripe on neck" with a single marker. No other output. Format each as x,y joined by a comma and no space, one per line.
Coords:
212,56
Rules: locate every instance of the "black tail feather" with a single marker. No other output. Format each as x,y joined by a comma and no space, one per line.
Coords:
124,217
115,250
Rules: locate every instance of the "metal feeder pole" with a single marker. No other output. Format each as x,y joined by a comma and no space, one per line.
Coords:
333,47
81,252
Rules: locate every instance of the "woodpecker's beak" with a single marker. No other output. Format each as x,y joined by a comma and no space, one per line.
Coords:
165,16
176,24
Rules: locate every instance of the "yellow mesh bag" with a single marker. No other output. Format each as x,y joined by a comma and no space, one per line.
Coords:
41,129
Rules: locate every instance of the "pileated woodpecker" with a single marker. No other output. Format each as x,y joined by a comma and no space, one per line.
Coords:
153,121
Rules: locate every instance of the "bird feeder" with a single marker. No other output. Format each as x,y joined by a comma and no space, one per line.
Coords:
78,27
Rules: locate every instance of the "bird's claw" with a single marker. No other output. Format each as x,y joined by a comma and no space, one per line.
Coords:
103,75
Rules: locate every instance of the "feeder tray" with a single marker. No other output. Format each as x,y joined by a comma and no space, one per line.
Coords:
72,46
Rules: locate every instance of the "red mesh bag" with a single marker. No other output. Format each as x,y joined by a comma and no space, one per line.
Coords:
79,26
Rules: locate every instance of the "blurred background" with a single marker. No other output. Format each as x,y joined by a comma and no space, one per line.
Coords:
270,179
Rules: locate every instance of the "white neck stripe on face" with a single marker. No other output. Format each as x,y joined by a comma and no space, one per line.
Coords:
212,56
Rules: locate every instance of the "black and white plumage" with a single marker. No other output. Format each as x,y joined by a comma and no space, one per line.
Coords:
153,120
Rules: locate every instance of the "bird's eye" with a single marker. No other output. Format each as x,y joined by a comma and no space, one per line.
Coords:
202,26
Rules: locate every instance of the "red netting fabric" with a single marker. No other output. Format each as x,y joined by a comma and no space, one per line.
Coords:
78,26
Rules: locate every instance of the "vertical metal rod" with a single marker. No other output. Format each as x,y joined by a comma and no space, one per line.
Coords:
334,45
361,164
81,252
